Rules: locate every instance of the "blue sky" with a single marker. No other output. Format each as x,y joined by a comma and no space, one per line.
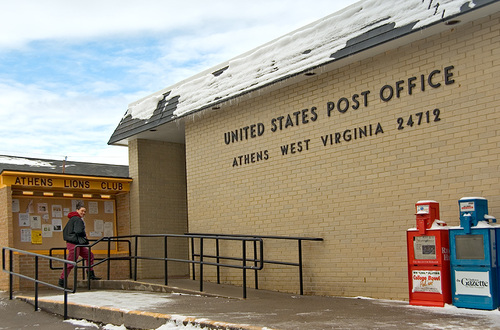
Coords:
69,69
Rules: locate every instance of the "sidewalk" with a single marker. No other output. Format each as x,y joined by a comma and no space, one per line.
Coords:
221,307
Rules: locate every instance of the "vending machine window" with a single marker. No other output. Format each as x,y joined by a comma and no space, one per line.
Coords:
424,247
469,247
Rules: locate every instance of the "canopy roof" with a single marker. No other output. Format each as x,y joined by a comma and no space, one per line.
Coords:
23,164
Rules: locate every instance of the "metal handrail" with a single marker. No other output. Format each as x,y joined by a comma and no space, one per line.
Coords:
108,259
11,273
298,264
257,261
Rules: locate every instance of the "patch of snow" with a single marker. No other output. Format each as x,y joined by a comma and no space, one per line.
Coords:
439,224
114,327
125,301
463,198
82,323
167,326
24,161
486,224
142,108
171,325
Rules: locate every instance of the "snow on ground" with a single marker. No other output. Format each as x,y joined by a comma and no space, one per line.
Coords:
166,326
126,301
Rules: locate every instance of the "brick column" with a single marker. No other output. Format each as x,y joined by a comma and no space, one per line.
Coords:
158,203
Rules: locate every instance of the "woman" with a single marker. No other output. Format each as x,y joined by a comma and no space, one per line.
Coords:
74,234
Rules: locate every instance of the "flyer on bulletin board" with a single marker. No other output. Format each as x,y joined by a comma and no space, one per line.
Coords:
36,237
24,219
15,205
25,235
57,211
46,230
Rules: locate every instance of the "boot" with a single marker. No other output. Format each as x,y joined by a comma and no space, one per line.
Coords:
61,282
92,276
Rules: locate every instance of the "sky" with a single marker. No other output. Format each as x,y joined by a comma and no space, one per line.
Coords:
69,69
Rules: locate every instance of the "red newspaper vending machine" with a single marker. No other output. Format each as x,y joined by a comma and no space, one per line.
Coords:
428,258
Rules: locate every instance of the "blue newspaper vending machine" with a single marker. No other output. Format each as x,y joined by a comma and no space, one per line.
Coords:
473,256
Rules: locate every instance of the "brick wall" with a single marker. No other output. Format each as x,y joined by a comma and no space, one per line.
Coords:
358,193
6,240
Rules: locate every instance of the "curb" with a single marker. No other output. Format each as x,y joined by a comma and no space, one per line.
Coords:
130,319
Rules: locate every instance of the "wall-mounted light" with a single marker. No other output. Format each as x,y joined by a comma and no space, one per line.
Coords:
48,193
30,193
452,22
67,194
310,73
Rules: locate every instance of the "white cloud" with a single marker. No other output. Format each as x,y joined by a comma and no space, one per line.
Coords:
74,66
45,124
28,20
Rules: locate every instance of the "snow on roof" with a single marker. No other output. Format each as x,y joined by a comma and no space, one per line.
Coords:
308,47
15,163
25,161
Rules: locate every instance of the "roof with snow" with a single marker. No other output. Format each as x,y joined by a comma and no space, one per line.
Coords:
22,164
359,31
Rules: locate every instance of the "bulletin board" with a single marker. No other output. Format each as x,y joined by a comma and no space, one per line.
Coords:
38,222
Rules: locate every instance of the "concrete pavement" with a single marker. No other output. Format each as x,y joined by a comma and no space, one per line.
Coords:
148,305
17,314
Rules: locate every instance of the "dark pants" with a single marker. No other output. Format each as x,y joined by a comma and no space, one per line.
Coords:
80,251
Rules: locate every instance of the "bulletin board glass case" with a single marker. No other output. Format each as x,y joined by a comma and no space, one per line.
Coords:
39,221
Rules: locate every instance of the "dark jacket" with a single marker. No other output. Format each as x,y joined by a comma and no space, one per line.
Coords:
74,231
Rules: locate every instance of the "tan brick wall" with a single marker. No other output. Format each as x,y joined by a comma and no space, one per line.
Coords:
358,195
158,203
6,238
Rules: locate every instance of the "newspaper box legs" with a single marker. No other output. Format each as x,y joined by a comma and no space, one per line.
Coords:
428,258
474,260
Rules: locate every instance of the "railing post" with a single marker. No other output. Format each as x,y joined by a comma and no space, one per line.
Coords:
129,259
11,277
218,259
166,258
36,283
256,272
109,257
135,258
244,249
201,264
88,268
192,259
65,300
300,269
